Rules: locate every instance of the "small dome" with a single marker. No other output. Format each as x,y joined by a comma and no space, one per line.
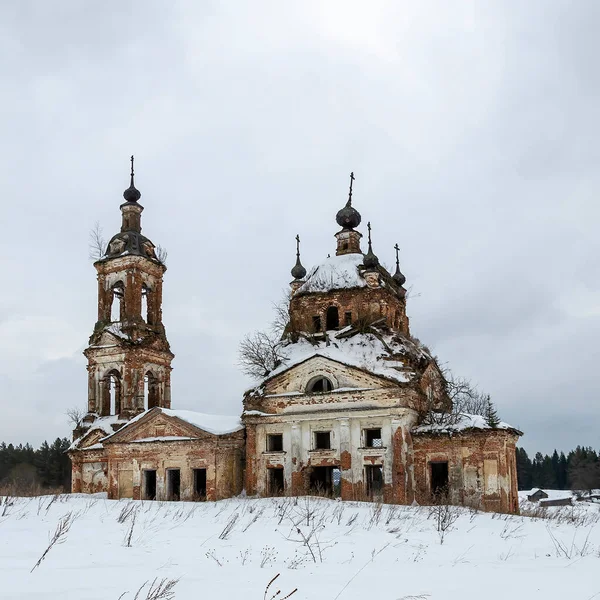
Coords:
399,277
348,217
298,272
370,261
132,194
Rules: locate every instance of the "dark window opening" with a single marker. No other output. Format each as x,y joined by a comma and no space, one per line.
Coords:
333,318
344,245
439,478
276,482
322,440
150,391
173,484
321,481
149,485
374,477
347,318
275,442
316,323
200,484
373,438
319,385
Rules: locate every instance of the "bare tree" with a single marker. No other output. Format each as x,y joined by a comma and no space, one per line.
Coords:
259,354
75,415
282,318
465,396
97,243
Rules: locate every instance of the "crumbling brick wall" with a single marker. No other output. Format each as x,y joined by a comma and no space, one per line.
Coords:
481,467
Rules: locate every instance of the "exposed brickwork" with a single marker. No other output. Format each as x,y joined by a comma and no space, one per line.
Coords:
481,464
362,303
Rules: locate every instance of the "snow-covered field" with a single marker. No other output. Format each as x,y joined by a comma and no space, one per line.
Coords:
326,549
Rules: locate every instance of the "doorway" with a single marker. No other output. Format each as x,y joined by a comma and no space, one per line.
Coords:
199,484
173,484
149,485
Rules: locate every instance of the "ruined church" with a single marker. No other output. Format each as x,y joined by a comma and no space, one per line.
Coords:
341,411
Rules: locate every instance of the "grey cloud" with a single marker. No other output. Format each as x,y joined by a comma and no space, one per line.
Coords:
471,129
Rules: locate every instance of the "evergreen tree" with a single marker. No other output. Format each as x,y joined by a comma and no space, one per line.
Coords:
523,470
562,472
491,416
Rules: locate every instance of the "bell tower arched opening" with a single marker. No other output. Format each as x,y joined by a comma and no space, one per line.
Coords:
116,306
111,399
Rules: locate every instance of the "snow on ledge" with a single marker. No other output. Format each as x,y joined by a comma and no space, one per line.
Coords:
216,424
461,422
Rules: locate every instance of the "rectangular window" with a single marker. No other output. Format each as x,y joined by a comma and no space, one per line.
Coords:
275,442
149,483
173,484
322,440
348,318
199,484
276,482
373,438
374,479
439,478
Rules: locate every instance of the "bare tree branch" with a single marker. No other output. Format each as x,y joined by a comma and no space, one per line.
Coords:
259,354
75,415
97,243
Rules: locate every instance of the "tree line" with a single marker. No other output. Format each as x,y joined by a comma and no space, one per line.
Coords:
577,470
25,469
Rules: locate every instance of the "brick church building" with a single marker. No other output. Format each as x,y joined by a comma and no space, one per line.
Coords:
342,410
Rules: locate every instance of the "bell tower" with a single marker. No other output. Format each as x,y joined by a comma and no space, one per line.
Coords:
129,358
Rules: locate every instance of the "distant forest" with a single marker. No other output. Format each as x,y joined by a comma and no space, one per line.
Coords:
578,470
49,468
25,470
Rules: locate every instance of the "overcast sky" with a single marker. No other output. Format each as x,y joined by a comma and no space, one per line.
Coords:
472,128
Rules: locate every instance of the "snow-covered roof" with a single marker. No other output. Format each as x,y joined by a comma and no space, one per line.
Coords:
215,424
460,422
104,424
335,272
381,355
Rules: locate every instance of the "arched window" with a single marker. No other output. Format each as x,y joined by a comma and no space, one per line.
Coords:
116,302
150,390
319,385
145,303
111,400
333,318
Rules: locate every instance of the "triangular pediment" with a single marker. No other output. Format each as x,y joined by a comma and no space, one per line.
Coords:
89,438
297,378
156,425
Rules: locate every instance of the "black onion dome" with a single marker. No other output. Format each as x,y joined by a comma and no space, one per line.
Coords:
399,277
298,272
370,261
132,194
348,217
